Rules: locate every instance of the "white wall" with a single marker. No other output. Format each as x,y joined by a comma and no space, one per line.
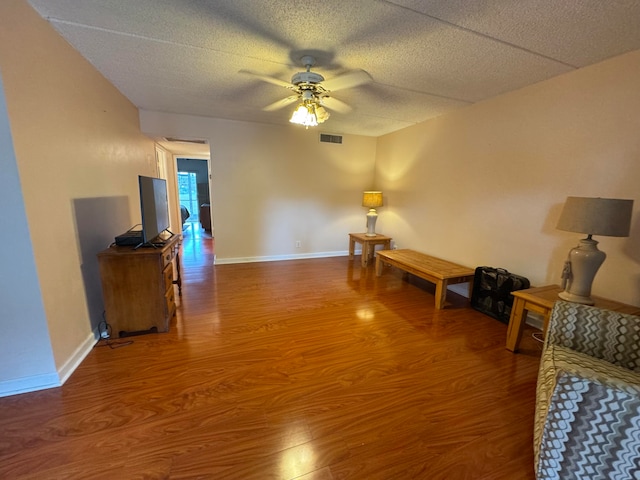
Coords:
27,358
273,185
78,151
485,185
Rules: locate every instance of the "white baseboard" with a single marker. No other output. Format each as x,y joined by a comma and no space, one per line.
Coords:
534,320
29,384
50,380
78,356
278,258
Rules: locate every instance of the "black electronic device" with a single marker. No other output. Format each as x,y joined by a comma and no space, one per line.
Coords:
129,238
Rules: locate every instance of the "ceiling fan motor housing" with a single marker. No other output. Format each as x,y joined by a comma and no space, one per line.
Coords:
306,77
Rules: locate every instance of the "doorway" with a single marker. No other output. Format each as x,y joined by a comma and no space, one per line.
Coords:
188,194
193,191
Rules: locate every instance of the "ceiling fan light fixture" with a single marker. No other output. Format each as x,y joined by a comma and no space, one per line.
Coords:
312,93
321,114
304,114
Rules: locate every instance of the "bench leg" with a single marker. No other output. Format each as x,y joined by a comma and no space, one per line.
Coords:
441,293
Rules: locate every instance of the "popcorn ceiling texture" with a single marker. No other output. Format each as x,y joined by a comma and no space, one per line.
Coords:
426,57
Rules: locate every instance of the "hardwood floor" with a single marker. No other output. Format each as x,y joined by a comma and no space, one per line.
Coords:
305,369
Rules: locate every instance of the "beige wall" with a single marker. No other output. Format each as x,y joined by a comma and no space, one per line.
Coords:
78,147
485,185
273,185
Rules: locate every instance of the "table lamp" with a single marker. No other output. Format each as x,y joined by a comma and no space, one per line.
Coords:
593,216
371,200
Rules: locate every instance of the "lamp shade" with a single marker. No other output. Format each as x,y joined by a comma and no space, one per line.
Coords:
372,199
596,216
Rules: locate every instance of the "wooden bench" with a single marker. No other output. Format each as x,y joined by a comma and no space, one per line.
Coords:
435,270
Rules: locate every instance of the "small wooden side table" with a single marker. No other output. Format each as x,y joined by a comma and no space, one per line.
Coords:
368,245
541,300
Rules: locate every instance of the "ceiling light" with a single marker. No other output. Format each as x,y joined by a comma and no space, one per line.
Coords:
321,114
309,112
304,115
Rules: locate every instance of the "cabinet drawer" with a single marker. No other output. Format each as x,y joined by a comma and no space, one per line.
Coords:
167,273
167,256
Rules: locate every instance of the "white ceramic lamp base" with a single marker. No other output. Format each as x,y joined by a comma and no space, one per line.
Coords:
372,216
585,261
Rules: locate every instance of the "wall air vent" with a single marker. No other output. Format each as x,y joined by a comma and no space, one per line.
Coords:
326,138
186,140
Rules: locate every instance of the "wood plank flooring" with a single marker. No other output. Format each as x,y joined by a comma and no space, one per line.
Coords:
305,369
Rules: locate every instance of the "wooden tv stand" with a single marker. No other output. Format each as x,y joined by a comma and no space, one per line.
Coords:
137,287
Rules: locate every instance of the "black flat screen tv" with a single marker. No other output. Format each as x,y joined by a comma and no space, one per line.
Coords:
154,207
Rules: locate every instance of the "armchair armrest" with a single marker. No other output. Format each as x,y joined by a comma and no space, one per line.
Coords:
604,334
587,418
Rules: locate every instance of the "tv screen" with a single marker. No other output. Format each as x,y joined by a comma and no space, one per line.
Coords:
154,207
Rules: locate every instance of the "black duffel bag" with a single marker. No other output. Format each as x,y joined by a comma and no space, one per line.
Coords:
492,289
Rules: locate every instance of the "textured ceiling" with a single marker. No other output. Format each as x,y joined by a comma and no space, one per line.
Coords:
426,57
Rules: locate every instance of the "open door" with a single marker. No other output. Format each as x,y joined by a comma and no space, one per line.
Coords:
194,194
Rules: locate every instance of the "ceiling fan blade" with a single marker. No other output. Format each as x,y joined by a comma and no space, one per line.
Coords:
268,79
334,104
280,103
348,80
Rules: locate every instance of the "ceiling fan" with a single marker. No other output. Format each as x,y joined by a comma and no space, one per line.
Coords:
313,93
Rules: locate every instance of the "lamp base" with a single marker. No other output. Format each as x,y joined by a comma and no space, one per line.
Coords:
572,297
585,261
372,216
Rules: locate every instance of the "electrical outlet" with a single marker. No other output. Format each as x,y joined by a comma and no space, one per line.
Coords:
298,244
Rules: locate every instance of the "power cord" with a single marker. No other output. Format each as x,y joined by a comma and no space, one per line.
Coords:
104,330
538,337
